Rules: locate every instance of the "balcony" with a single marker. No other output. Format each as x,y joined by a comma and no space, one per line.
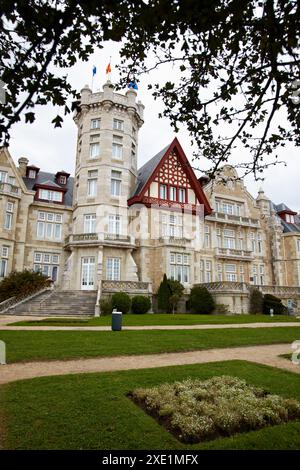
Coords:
10,189
233,219
131,287
99,239
231,253
178,241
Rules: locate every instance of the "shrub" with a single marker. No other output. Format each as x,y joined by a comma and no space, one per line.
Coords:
163,296
106,306
176,293
140,304
256,300
19,284
121,301
196,410
270,301
201,300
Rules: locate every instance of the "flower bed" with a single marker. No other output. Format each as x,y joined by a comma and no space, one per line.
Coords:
195,410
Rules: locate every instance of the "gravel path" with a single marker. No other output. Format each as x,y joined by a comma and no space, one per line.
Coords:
150,327
267,355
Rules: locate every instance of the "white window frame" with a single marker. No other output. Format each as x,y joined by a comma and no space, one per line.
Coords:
89,223
94,149
113,269
117,147
116,183
114,224
163,191
92,187
95,123
118,125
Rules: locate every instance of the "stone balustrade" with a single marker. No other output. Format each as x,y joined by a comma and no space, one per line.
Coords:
233,253
9,188
131,287
233,219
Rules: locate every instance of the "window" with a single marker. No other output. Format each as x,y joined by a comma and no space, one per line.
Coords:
94,150
298,245
49,225
113,269
49,195
206,236
32,174
227,208
261,274
118,125
5,251
180,267
133,155
117,147
95,124
229,239
3,176
114,224
3,267
90,223
163,191
46,263
219,273
172,225
259,243
230,270
9,215
290,218
115,183
173,193
208,268
92,183
181,195
62,179
254,274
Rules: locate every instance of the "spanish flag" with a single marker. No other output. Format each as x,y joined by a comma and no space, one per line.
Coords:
108,68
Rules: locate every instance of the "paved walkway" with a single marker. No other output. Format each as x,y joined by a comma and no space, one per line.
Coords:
267,355
149,327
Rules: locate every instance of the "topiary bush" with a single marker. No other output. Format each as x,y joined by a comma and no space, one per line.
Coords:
221,309
140,304
163,296
22,283
270,301
106,306
256,302
201,301
121,301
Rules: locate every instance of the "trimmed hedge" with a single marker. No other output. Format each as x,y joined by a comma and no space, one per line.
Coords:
256,302
121,301
270,301
201,300
18,284
140,304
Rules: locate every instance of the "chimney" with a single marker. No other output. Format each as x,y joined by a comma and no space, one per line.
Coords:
23,162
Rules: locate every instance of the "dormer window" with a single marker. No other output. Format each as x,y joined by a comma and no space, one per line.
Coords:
49,195
62,179
32,174
290,219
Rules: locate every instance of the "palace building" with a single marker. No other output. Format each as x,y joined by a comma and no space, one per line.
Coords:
114,227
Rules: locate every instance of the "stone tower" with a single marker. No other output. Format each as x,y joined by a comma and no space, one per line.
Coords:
105,176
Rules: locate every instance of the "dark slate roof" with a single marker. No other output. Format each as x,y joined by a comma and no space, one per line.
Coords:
287,228
146,170
282,207
49,179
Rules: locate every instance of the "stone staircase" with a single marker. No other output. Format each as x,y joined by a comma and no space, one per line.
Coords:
58,303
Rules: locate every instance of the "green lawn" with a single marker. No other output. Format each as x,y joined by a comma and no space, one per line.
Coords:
91,411
47,345
161,319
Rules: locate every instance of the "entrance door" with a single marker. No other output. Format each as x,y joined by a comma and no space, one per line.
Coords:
87,273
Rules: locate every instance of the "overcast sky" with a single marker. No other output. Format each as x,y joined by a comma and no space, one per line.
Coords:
54,149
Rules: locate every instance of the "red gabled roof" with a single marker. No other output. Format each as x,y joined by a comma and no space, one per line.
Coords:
148,172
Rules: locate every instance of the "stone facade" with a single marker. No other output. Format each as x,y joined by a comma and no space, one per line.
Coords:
114,227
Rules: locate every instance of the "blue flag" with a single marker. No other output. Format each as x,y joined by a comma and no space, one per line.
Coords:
133,85
94,70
